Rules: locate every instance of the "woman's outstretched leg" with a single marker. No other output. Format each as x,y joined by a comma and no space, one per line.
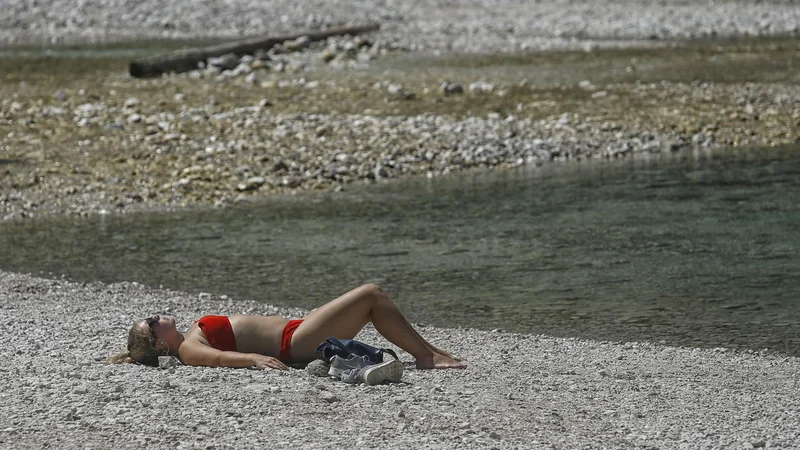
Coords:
345,316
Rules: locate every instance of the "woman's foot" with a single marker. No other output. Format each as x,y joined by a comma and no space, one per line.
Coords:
437,351
439,361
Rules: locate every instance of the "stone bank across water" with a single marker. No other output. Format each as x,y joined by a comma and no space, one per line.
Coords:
90,140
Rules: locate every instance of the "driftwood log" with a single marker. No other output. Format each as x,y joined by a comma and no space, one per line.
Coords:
187,59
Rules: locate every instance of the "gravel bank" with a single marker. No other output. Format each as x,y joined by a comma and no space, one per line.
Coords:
79,141
122,146
520,391
427,25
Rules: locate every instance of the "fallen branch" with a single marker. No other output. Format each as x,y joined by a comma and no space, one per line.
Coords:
187,59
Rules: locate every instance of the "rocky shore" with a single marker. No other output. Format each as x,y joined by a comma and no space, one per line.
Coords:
474,26
112,144
87,138
519,391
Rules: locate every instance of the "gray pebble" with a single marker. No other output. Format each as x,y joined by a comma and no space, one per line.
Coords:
224,62
328,397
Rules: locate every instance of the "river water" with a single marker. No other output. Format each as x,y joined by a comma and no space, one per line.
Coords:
698,248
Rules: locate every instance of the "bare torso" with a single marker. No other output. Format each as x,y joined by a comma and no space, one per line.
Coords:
254,334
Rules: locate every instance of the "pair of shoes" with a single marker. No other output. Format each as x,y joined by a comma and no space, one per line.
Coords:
360,369
318,368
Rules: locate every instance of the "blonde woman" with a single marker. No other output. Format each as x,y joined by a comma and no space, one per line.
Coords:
273,342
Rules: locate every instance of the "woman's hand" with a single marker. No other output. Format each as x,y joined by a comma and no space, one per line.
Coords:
261,362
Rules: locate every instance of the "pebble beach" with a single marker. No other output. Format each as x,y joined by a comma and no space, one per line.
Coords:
101,142
519,391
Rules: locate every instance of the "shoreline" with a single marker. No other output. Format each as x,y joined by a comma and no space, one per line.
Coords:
519,391
119,144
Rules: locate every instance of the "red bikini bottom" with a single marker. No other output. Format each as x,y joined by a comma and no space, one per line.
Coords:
286,340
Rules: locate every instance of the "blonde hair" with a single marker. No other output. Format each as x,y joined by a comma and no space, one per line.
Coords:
141,348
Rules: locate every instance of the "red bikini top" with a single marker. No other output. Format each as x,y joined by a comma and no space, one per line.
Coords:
218,332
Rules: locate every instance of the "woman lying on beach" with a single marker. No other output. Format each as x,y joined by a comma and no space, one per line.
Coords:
273,341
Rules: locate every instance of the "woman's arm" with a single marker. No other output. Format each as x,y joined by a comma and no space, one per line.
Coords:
197,354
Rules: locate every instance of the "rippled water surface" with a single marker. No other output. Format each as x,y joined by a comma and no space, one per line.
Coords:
690,249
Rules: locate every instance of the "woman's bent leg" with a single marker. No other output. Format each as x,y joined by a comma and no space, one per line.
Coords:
345,316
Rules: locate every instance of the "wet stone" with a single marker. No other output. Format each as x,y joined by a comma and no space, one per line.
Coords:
251,184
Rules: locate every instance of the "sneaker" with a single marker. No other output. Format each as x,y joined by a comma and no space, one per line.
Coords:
351,375
391,371
339,364
318,368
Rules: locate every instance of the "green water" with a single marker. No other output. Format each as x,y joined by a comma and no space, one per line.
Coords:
691,249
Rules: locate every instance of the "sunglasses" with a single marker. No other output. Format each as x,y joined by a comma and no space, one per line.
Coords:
150,322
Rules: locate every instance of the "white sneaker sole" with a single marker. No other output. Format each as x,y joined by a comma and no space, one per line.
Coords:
391,371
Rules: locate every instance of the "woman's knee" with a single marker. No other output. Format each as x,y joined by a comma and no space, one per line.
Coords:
373,292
